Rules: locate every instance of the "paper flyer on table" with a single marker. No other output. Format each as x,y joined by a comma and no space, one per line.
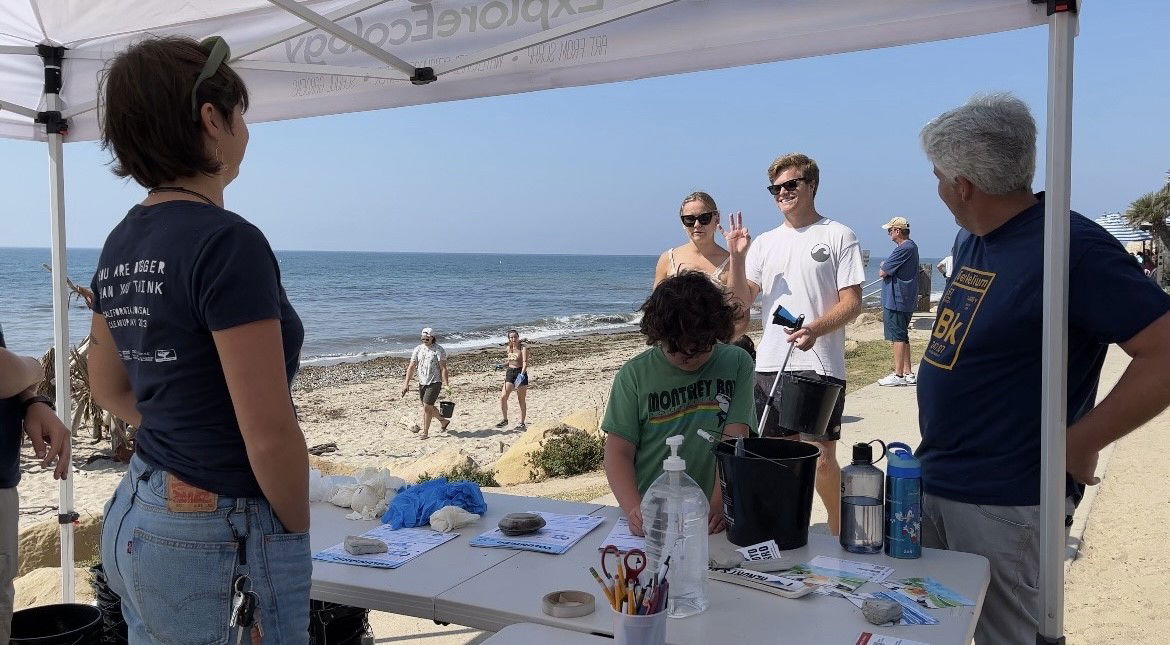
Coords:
621,537
762,551
928,592
402,546
912,614
559,534
867,570
867,638
817,576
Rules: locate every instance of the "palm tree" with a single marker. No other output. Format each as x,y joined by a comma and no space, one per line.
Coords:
1152,209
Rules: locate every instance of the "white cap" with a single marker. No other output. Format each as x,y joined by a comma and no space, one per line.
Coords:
427,331
674,462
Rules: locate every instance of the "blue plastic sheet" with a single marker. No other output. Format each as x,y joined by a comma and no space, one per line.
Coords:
413,505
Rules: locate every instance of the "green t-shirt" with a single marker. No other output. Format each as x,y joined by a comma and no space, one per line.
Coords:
652,399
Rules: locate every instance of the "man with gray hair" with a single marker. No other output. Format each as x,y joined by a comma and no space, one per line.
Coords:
980,379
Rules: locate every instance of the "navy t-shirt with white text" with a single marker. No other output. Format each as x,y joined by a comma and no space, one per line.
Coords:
979,383
168,276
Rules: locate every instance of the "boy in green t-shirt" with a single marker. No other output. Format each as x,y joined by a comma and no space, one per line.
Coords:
688,381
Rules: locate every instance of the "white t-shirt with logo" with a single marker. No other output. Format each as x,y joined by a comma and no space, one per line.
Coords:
428,363
802,269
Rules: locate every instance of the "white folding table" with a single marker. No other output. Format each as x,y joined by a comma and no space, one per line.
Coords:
412,588
530,634
511,592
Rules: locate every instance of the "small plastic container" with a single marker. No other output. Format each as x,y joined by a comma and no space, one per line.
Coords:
638,630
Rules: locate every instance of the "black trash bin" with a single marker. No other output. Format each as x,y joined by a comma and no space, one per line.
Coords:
768,492
334,624
65,624
114,631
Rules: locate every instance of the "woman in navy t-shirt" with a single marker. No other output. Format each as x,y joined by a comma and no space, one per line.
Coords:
195,344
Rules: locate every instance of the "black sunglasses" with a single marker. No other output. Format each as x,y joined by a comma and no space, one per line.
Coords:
703,218
217,52
789,185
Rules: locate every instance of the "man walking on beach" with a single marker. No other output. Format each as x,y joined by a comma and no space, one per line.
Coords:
22,411
899,274
812,266
979,384
430,360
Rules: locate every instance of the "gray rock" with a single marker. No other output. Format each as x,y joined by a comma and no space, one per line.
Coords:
358,545
514,524
722,561
879,611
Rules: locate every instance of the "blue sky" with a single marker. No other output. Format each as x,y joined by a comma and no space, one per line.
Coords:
601,169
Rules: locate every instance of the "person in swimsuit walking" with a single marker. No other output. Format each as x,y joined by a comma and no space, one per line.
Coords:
515,378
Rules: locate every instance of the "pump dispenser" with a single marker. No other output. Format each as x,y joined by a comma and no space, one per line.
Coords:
674,516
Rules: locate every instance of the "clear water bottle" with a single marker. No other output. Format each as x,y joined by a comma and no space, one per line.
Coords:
903,502
862,520
674,516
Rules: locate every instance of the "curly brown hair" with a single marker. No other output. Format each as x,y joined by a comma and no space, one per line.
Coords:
688,314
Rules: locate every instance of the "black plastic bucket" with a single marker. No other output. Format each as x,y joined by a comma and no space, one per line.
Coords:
806,404
768,497
334,624
446,408
65,624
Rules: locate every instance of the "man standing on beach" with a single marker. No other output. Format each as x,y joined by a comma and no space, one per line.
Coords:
899,274
430,360
979,384
22,410
812,266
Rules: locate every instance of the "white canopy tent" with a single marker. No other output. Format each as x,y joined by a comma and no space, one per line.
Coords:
313,57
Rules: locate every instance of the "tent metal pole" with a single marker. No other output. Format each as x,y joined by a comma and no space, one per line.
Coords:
329,27
55,130
9,49
1054,422
329,70
288,34
17,109
551,34
61,351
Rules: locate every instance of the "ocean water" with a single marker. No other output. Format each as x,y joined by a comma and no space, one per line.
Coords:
357,306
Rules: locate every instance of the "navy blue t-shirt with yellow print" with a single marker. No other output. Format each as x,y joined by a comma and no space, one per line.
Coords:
168,276
979,383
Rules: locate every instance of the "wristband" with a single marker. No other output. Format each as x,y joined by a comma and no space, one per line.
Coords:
27,403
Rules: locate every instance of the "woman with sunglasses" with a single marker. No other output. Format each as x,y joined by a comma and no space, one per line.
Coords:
195,344
700,220
515,379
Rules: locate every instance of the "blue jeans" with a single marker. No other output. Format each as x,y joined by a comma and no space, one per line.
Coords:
174,571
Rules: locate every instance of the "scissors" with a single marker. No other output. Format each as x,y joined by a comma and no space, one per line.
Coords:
634,562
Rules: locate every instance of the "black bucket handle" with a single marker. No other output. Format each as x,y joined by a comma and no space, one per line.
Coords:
711,439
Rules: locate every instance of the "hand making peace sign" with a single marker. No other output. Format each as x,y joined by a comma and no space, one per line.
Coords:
737,236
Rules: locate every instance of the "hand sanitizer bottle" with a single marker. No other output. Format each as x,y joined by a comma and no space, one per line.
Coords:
674,516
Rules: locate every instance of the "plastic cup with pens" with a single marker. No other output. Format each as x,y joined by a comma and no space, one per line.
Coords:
639,610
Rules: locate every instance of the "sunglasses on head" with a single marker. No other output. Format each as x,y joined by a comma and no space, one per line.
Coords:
789,185
703,218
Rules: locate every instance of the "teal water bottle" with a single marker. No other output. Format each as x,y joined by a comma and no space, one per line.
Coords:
903,503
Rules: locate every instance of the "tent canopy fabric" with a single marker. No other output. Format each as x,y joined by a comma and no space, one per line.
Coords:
476,47
1120,228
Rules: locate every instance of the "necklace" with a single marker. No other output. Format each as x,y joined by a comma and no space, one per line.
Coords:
180,189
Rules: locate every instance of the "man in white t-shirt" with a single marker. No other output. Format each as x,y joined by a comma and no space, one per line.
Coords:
811,266
430,360
946,266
